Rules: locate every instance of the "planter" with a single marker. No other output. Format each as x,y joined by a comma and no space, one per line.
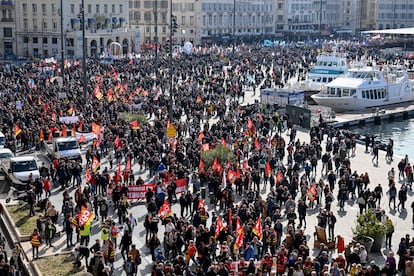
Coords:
367,243
378,242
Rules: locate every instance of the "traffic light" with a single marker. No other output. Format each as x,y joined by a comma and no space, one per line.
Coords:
174,25
167,46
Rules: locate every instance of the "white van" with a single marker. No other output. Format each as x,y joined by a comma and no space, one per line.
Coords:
2,139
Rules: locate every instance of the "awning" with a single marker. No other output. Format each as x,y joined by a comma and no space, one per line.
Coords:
91,20
107,20
114,19
74,20
121,20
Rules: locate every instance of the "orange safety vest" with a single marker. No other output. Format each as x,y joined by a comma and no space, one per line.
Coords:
35,240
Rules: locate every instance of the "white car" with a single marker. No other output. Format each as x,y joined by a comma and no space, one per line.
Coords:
5,154
19,169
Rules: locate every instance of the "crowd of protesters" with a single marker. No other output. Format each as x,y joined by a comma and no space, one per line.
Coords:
204,106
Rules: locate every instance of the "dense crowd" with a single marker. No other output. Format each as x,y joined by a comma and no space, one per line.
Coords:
205,110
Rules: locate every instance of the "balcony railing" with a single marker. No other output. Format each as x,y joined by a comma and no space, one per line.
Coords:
6,2
7,20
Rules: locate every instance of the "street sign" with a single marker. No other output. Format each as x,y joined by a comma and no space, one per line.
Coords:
171,131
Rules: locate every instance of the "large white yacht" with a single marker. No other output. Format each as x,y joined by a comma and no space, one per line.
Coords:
367,87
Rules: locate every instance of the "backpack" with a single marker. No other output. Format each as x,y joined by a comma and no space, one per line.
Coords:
129,267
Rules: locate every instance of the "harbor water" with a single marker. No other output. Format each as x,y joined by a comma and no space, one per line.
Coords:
400,131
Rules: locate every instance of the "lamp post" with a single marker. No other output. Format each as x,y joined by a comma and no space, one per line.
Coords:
234,26
62,63
85,84
170,113
156,34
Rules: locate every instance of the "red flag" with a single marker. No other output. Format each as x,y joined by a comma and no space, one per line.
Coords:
165,210
50,137
131,62
97,92
249,123
216,167
230,217
260,117
257,229
268,169
134,125
64,131
238,225
17,130
201,166
88,175
95,164
256,144
238,173
110,95
80,125
117,141
81,139
71,110
205,147
85,216
41,135
200,136
279,177
74,130
39,100
96,129
128,164
53,116
245,165
201,203
239,239
231,176
223,142
219,227
311,193
198,100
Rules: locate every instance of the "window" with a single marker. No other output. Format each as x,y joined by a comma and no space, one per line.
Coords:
25,24
137,4
53,6
35,40
105,9
147,4
113,8
89,8
24,7
7,32
121,8
191,20
164,5
44,40
183,20
97,8
54,40
35,24
72,8
54,24
147,16
26,39
43,8
34,8
137,16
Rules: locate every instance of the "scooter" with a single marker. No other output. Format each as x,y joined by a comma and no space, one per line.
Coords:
16,195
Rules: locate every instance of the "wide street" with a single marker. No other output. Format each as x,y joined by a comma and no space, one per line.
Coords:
361,162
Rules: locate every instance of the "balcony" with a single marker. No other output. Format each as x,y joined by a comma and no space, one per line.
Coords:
6,3
7,20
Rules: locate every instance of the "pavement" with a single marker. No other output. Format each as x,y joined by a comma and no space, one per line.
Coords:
346,220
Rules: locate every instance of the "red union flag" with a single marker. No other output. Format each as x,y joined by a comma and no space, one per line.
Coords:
257,229
231,176
95,164
205,147
201,203
311,193
134,125
250,123
128,164
268,169
165,210
81,139
85,216
239,239
96,129
219,227
117,141
88,175
201,166
200,137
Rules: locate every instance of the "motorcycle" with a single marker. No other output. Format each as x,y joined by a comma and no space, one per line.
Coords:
15,194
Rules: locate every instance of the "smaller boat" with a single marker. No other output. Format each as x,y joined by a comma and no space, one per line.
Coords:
327,68
367,87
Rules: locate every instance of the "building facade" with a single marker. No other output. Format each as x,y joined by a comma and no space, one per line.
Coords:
391,14
8,42
38,27
151,18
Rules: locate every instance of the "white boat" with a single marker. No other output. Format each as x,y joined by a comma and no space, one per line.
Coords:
327,68
367,87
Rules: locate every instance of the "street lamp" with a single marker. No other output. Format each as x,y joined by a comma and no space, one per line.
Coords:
62,64
156,33
85,84
170,113
234,25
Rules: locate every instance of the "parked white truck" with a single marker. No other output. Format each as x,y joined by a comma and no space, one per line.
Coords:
20,169
63,147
